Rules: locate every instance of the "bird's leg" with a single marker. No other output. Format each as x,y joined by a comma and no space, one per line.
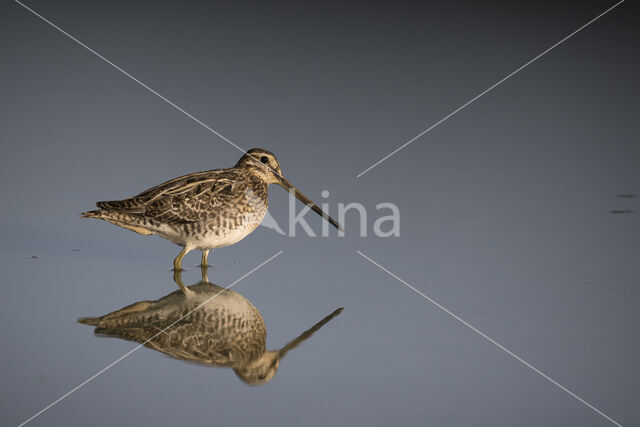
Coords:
177,277
205,254
177,263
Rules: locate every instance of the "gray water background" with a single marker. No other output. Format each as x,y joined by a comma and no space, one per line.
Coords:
504,208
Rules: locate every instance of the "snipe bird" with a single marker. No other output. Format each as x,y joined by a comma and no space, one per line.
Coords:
205,210
208,325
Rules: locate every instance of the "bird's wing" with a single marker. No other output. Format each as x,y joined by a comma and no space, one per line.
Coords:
138,204
183,199
192,341
178,182
195,198
182,340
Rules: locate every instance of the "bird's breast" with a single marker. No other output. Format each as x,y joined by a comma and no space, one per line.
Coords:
225,231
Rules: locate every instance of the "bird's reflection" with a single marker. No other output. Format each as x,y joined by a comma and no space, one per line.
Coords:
203,323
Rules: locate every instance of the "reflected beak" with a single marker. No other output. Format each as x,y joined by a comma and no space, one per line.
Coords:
307,334
284,183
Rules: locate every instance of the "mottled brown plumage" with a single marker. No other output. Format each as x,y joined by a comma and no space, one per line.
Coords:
208,324
204,210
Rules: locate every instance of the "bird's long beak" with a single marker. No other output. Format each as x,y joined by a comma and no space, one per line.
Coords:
284,183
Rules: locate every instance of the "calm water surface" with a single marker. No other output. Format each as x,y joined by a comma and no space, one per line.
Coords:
505,211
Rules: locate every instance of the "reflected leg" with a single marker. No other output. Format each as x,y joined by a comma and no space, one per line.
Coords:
205,277
177,277
177,263
203,262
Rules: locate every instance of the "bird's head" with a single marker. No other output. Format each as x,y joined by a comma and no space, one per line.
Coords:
264,165
260,371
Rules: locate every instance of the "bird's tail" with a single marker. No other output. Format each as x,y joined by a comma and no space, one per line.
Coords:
93,321
131,222
124,316
92,214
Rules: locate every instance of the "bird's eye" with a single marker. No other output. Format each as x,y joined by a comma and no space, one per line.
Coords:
264,159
